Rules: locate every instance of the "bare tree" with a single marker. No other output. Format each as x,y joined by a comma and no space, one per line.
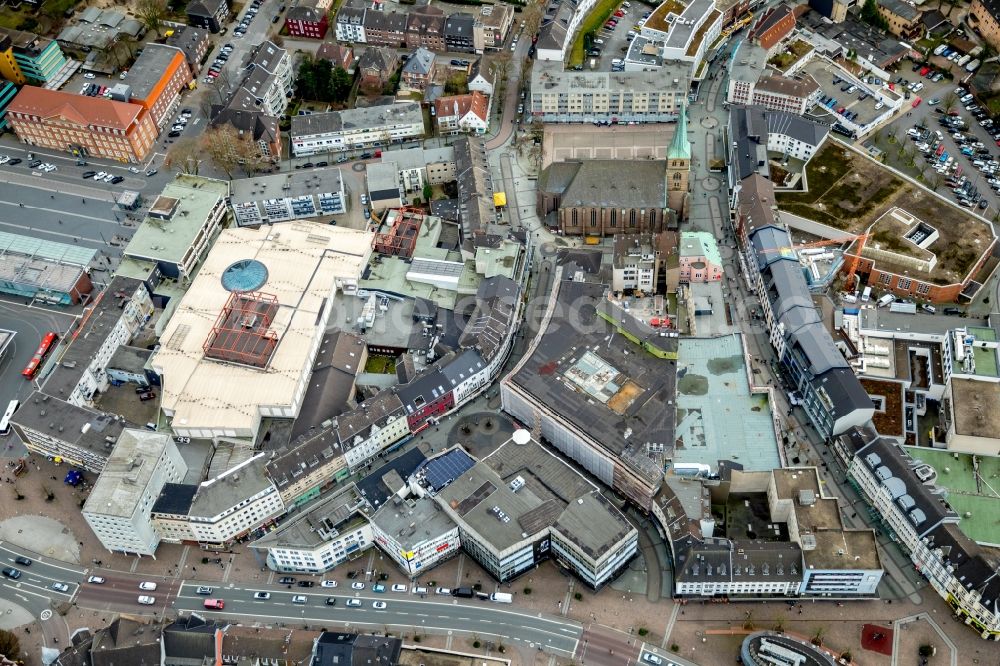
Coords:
532,17
220,145
184,156
151,13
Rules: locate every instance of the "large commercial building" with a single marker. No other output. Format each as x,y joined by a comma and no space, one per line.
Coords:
221,510
292,195
119,506
270,294
606,406
566,96
521,505
180,227
81,125
114,319
372,127
156,80
831,395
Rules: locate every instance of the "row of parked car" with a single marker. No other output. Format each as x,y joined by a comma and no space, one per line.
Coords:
220,61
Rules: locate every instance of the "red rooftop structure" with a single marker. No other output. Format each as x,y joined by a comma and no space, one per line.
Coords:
242,333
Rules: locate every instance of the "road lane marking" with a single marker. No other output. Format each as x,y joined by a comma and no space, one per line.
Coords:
47,563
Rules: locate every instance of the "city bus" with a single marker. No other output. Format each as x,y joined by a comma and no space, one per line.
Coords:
5,422
48,340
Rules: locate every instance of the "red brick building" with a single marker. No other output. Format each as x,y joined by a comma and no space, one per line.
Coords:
307,19
774,25
910,286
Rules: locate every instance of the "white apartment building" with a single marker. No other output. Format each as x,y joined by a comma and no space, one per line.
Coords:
415,533
333,531
926,527
370,428
559,96
372,127
113,320
121,501
270,77
559,25
635,263
683,36
223,509
419,166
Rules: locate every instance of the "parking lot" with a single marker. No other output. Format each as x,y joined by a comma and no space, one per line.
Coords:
902,151
613,42
867,101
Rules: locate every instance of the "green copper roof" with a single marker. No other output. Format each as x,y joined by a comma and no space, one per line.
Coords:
700,244
680,147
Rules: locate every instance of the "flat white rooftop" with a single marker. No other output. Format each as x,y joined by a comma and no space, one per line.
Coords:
301,265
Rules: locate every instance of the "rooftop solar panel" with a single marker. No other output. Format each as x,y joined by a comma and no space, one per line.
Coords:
443,470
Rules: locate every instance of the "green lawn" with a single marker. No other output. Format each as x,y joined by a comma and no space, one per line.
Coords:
598,15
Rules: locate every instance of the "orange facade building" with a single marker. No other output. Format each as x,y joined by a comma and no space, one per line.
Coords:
78,124
157,78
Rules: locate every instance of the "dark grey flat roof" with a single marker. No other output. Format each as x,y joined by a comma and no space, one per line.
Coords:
575,329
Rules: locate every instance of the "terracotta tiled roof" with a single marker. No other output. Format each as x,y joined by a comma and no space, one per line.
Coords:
476,102
78,109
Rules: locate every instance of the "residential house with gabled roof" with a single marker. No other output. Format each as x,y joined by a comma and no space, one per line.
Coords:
418,72
469,113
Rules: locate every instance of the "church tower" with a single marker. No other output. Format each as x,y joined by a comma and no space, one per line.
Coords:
679,166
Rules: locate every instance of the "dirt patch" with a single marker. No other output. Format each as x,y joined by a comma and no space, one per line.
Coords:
890,420
724,366
692,385
620,401
851,192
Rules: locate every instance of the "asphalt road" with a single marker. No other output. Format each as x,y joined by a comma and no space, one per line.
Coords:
483,618
33,590
120,593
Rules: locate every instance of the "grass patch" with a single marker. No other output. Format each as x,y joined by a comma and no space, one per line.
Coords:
791,55
380,365
590,25
993,105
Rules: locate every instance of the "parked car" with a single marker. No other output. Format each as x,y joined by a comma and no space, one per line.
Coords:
286,580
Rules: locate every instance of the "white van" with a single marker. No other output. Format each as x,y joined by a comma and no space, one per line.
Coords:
866,295
886,300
